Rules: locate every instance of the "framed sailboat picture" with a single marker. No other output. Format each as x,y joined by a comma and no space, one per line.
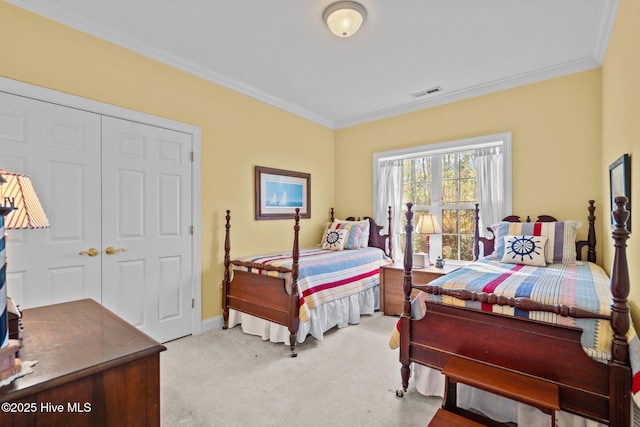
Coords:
280,192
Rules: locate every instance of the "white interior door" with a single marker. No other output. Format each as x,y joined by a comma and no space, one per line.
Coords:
102,182
59,149
146,215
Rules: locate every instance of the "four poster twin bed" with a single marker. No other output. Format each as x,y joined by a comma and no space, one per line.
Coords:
284,297
530,307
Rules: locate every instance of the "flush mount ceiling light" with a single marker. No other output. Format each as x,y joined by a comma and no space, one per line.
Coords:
344,18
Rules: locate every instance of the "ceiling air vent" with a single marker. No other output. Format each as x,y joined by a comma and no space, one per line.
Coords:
426,92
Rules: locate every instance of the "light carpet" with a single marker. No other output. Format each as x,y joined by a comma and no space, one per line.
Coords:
227,378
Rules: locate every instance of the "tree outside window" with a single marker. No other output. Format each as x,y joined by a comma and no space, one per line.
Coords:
445,185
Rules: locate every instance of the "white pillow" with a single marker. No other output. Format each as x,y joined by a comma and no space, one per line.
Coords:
527,250
334,239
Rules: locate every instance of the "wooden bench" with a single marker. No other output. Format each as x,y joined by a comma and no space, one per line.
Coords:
444,418
535,392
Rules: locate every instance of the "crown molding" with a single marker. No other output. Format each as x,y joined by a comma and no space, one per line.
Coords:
607,19
102,32
605,24
571,67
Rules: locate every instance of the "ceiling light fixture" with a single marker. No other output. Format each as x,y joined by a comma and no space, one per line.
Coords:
344,18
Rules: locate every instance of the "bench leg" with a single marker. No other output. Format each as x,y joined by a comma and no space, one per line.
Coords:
450,401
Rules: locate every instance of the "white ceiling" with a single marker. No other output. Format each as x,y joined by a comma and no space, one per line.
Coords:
280,51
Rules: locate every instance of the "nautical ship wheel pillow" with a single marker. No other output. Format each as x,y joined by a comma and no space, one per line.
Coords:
527,250
334,239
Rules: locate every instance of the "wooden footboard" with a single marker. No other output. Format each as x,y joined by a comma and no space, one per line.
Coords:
597,390
549,352
260,295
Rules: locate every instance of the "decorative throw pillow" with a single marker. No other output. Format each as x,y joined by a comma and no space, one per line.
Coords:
561,238
527,250
334,239
366,229
355,230
366,226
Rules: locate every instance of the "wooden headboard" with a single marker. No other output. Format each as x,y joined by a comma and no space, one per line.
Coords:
376,239
488,243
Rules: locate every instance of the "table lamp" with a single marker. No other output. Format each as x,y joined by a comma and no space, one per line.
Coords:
427,224
19,208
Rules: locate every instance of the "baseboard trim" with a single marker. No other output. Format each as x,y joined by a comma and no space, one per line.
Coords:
212,324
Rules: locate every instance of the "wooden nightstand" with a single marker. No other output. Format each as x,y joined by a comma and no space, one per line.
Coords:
391,275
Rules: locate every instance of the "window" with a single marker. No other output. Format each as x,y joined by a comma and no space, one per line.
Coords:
447,180
451,179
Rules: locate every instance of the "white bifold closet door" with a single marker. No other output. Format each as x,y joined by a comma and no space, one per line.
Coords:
146,220
118,197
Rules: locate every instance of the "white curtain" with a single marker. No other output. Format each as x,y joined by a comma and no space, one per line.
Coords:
389,191
491,188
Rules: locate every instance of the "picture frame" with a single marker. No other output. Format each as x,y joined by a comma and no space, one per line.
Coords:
279,192
620,184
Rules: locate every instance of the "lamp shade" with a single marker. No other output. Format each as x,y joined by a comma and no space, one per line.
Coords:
16,191
344,18
428,224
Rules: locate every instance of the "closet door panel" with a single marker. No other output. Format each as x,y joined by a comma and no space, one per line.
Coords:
129,291
147,178
59,149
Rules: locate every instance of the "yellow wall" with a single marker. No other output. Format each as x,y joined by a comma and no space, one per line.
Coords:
621,123
555,127
237,132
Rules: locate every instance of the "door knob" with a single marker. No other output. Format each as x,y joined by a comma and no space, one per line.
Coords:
90,252
111,250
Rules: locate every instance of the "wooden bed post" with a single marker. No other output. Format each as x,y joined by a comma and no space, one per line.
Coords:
390,235
294,297
620,373
591,238
476,234
227,277
405,318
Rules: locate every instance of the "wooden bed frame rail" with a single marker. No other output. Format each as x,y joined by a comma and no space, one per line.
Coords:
522,303
550,352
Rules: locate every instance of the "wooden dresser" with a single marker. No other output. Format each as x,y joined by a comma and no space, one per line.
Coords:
94,369
391,276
